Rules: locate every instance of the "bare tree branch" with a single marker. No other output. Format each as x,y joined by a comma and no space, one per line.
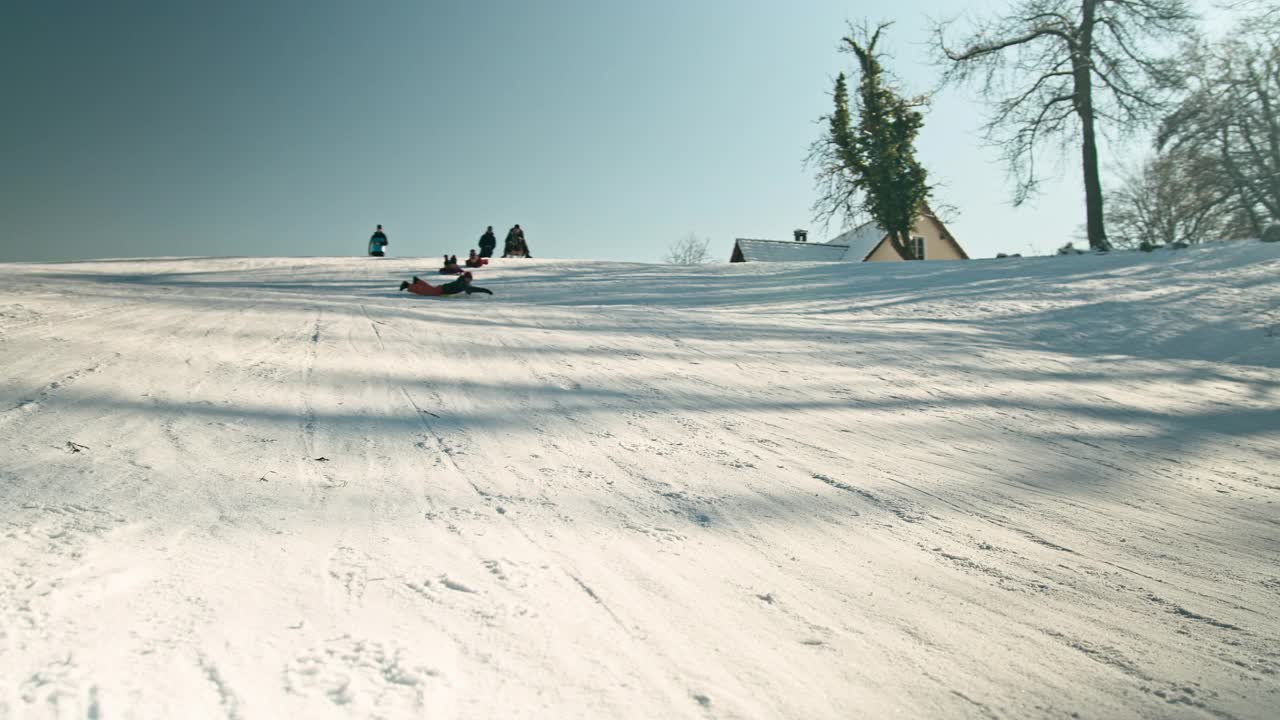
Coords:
689,250
1230,114
1043,55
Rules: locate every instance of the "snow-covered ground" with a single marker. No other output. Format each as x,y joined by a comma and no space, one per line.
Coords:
268,488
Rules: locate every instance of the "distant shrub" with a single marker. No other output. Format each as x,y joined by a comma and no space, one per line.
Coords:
1272,233
1070,249
1007,255
1146,246
1178,245
689,250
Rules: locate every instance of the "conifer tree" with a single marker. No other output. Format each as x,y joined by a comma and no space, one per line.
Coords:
871,167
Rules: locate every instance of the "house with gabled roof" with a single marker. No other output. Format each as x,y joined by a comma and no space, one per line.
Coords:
750,250
867,242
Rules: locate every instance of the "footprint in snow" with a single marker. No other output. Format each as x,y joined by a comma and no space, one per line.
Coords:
455,585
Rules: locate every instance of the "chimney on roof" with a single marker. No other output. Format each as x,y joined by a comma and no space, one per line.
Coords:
802,236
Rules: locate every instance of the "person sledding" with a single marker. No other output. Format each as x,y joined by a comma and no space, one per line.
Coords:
377,243
522,245
461,285
450,266
488,241
509,245
515,245
474,261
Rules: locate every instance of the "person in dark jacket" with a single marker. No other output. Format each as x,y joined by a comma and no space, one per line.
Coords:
488,241
512,242
515,245
377,242
523,245
461,285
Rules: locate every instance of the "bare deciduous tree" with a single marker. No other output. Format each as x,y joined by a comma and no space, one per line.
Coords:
689,250
1162,202
1056,69
1264,9
1231,114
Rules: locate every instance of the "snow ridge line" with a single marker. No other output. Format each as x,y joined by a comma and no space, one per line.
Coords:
377,333
33,402
439,443
309,411
230,703
486,495
603,605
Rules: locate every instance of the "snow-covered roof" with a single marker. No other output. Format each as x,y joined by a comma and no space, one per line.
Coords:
860,241
786,250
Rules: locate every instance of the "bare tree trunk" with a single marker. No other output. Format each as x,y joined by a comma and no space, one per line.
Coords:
1249,197
1049,63
899,240
1092,187
1272,203
1082,70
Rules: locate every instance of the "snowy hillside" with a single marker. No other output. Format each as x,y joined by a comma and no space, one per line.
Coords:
265,488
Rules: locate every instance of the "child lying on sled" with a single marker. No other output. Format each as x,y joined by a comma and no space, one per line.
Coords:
462,284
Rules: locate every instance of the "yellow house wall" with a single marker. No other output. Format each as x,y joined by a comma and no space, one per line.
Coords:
935,247
884,251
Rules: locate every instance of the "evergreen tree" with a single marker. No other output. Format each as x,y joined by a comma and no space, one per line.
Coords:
872,167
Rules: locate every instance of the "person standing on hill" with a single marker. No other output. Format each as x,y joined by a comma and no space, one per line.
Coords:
488,241
377,242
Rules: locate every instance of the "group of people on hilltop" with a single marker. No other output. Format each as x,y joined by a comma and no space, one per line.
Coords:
451,266
514,246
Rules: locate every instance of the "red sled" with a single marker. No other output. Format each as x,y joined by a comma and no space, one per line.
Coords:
418,287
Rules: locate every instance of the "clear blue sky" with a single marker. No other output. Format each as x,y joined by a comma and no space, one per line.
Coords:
608,130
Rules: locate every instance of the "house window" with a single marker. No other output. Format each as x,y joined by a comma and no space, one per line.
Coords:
916,245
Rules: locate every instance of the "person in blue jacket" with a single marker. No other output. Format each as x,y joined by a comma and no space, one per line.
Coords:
377,242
